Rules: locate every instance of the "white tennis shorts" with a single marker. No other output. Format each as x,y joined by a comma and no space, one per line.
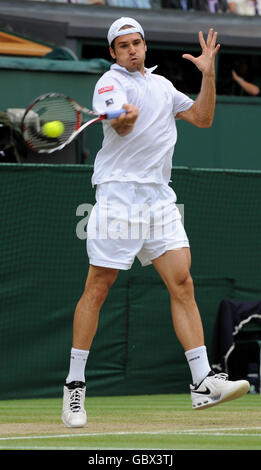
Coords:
133,219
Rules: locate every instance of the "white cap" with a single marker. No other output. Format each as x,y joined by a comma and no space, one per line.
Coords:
115,29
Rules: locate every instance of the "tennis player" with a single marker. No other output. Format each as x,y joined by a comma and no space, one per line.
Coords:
135,213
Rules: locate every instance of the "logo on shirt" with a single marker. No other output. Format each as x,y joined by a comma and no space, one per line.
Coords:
108,102
105,88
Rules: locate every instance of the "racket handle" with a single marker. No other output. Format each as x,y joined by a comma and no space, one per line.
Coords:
115,114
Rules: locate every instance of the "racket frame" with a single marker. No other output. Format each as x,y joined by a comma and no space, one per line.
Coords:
79,126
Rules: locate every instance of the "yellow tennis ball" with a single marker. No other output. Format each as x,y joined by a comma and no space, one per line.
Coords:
53,129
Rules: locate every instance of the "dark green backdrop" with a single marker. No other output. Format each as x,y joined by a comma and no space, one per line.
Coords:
44,264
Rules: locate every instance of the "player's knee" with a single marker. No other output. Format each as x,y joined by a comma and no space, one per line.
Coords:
183,289
99,293
108,280
99,284
96,292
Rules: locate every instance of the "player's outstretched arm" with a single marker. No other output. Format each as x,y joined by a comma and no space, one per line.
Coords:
125,123
201,114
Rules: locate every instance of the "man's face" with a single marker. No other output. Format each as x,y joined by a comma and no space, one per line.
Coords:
129,52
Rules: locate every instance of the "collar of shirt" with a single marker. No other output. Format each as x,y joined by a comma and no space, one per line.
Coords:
148,71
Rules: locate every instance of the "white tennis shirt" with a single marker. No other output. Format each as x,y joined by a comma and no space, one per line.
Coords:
144,155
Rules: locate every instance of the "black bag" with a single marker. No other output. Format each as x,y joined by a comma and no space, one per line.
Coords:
12,146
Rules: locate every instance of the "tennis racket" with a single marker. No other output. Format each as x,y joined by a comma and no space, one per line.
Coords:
63,115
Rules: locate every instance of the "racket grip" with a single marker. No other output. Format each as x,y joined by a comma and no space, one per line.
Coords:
115,114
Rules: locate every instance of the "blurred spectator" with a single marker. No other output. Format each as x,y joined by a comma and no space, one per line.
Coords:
83,2
248,87
176,4
129,3
245,7
218,6
213,6
88,2
55,1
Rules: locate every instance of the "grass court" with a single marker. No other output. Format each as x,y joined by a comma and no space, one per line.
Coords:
132,422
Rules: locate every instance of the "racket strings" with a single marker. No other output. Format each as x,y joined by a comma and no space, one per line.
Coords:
47,110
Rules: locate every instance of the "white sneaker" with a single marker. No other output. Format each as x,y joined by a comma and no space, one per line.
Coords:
215,389
74,414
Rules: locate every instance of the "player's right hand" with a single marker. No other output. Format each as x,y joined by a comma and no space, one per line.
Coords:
125,123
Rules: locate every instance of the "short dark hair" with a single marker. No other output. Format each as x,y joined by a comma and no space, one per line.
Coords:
113,45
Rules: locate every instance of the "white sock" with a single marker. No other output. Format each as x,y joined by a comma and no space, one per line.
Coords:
198,362
77,365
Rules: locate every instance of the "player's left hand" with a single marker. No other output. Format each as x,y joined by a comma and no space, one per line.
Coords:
206,61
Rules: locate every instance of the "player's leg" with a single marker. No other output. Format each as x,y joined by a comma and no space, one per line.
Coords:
174,268
98,283
85,325
208,388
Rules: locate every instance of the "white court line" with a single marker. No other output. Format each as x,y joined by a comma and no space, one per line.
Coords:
212,431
